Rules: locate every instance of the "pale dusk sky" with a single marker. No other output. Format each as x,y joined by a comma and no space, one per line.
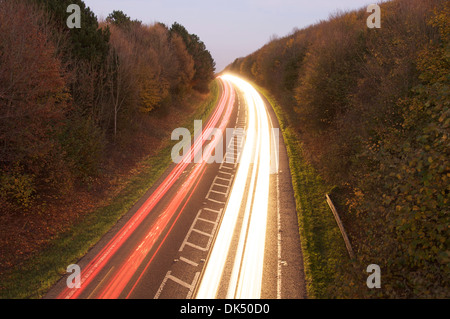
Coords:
233,28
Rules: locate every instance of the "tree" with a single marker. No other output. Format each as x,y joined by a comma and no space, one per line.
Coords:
120,19
186,70
89,43
33,92
122,77
204,64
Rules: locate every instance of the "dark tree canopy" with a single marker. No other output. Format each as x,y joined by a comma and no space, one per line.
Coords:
120,19
204,64
89,43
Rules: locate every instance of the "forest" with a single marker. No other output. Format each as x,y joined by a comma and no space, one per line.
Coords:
364,112
79,109
370,108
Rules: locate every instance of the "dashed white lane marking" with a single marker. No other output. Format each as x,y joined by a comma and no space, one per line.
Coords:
196,246
207,221
178,281
213,210
217,192
188,261
216,201
193,229
201,232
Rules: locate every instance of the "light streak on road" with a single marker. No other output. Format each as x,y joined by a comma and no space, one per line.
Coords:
130,266
127,270
246,278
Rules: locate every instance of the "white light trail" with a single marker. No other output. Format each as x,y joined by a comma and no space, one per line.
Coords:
246,278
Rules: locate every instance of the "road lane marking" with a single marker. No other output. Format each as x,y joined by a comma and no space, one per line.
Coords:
224,179
195,246
207,220
188,261
213,210
216,201
217,192
194,283
179,282
201,232
226,167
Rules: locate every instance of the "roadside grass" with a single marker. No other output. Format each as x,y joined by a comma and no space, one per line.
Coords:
39,273
323,247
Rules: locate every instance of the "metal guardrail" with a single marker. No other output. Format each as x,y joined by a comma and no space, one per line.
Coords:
341,227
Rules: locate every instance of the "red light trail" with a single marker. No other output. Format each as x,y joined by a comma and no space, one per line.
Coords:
129,267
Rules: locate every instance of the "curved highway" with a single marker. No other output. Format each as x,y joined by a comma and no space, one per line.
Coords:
219,224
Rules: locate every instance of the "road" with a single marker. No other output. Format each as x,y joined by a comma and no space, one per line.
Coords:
221,223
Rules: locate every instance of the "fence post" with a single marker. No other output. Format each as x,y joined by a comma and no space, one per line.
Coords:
341,227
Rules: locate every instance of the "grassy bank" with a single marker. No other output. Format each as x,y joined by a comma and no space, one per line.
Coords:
322,244
39,273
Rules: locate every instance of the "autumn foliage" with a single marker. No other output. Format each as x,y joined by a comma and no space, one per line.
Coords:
33,103
74,102
371,108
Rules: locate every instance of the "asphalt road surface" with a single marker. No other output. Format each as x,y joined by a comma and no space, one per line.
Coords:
221,223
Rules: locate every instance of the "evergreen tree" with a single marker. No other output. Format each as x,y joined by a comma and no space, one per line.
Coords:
88,43
204,64
120,19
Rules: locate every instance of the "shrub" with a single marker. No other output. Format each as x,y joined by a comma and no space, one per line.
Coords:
17,187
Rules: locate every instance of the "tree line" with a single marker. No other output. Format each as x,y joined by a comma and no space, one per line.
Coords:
69,96
371,108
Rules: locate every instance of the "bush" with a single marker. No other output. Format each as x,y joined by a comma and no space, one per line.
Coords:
83,143
17,187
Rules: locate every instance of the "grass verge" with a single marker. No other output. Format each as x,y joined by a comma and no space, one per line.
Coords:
40,272
323,247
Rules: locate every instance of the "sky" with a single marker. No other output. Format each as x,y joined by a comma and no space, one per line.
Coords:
230,28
